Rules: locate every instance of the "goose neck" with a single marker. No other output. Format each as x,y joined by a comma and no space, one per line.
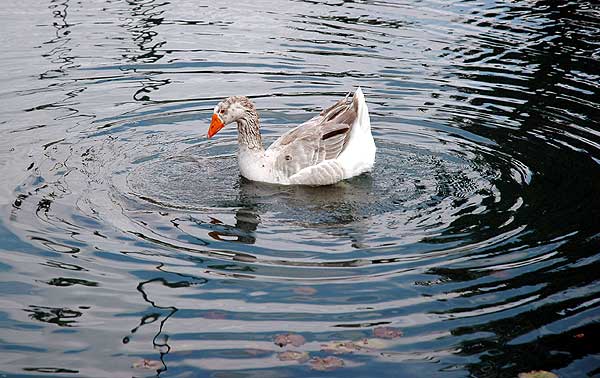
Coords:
249,131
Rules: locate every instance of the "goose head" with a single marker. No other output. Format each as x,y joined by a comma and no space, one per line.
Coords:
232,109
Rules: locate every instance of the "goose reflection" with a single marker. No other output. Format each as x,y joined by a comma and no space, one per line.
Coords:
246,223
338,210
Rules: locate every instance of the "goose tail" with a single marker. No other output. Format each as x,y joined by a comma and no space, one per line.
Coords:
362,112
359,154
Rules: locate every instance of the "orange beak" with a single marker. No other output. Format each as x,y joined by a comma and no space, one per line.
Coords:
215,125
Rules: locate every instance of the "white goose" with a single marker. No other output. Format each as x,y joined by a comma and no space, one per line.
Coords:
333,146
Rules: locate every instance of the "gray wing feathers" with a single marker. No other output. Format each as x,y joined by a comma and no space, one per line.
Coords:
325,173
319,139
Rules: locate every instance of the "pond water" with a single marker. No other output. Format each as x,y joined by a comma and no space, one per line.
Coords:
130,245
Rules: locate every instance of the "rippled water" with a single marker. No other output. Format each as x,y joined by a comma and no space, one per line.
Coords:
130,245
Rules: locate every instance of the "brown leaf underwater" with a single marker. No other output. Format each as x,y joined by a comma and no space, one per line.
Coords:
305,290
147,364
538,374
387,332
289,338
327,363
291,355
340,347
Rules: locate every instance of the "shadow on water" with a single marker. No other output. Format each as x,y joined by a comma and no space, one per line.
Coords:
555,144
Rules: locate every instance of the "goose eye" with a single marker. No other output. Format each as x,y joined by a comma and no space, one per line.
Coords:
222,111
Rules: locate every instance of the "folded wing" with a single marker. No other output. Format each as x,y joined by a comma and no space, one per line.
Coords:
317,140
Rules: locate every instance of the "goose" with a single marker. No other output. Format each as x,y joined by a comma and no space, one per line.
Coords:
333,146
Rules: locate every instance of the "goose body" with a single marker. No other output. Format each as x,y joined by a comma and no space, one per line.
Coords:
335,145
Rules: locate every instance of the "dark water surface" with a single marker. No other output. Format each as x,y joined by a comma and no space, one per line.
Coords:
127,237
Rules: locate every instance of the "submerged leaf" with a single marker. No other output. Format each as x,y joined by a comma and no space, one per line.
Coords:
538,374
291,355
327,363
305,290
386,332
340,347
147,364
217,315
289,338
375,343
